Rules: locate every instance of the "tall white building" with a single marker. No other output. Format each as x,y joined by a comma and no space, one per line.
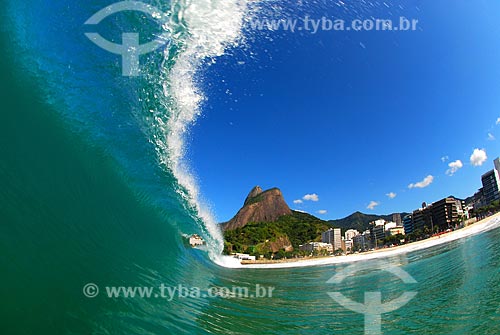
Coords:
337,239
333,236
348,245
349,235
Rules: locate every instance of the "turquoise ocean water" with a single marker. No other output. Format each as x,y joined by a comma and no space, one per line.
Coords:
93,189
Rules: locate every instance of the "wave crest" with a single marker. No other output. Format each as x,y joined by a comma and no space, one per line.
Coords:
202,29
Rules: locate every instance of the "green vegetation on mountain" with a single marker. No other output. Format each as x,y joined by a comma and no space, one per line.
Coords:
282,235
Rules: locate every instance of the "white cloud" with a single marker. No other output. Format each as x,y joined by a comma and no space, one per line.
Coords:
301,211
478,157
422,184
311,197
454,167
444,158
322,211
498,121
298,201
372,205
491,137
391,195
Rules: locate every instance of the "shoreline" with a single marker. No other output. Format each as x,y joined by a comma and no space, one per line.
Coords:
479,227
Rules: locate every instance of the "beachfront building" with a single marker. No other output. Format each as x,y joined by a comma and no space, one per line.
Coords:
327,236
347,245
349,239
361,241
377,232
397,230
316,246
491,186
389,226
446,213
440,215
408,224
334,237
468,209
337,239
422,218
349,235
195,240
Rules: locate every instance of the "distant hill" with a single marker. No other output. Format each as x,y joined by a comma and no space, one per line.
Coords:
360,221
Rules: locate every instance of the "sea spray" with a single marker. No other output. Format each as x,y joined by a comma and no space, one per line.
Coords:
202,30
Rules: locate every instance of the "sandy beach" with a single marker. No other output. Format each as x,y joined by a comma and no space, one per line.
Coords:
479,227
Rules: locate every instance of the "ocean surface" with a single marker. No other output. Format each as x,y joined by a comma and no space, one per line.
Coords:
94,189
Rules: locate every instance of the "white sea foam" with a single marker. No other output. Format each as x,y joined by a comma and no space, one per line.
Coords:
210,27
475,229
228,262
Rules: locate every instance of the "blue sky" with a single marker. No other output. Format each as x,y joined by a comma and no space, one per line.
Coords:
354,116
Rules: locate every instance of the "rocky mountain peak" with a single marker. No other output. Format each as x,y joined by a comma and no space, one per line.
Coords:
253,193
259,206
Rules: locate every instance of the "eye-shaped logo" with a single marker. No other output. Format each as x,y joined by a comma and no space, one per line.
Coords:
373,308
130,49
